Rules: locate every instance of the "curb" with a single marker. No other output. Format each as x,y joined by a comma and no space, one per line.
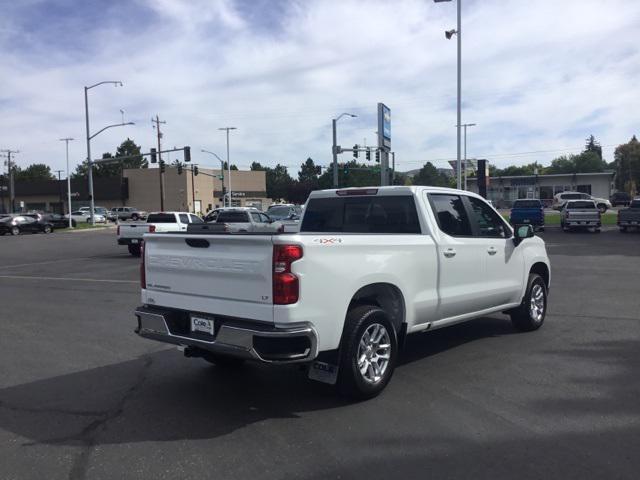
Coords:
109,227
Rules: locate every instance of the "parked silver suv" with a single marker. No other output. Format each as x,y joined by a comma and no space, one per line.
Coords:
561,198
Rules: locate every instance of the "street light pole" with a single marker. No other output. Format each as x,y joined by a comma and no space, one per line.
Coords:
448,35
89,137
459,30
335,146
221,173
66,141
228,161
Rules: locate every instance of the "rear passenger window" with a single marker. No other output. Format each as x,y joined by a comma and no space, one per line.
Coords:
256,217
195,219
184,218
487,221
366,214
450,214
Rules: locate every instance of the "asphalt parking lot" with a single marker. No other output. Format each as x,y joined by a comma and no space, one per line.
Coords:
81,396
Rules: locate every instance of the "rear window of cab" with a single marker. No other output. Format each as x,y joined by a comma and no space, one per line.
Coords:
362,214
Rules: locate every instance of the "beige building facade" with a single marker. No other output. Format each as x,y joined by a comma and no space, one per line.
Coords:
195,193
140,188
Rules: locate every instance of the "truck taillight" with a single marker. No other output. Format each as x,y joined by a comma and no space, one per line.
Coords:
152,228
286,286
143,275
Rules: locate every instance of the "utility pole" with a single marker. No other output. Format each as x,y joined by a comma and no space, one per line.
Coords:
459,31
336,149
157,122
193,188
12,194
66,141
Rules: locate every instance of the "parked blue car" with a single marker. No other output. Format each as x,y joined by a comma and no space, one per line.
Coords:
529,212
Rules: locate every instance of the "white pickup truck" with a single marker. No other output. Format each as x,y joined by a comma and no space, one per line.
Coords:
131,233
368,267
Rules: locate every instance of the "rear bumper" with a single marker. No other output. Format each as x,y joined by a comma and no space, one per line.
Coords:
234,337
582,223
129,241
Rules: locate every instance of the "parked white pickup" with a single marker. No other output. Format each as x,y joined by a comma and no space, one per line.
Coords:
132,233
368,266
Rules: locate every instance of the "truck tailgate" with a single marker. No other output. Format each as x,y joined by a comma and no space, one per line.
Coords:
217,274
134,230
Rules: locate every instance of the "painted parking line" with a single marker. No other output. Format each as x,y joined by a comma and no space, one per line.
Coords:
44,263
68,279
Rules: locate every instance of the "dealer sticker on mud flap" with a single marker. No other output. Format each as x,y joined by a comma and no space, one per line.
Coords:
323,372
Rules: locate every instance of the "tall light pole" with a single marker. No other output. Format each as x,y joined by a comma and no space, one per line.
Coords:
66,141
335,146
89,137
448,35
465,125
221,173
228,162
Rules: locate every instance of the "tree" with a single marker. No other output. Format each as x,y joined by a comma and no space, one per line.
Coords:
585,162
593,146
35,171
627,162
233,167
429,175
255,166
128,148
278,182
309,172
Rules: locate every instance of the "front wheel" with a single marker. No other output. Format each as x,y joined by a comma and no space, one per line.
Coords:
47,229
530,314
134,250
134,217
368,352
15,231
602,208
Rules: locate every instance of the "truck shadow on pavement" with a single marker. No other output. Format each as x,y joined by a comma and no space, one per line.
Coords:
163,396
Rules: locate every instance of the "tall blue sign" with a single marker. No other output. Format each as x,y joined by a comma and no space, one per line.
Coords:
384,126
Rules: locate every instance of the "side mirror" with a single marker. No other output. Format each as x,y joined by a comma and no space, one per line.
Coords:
521,232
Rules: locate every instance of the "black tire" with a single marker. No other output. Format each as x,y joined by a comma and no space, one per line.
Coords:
564,227
134,250
623,229
363,320
602,207
47,229
134,217
224,360
15,231
523,317
74,223
596,230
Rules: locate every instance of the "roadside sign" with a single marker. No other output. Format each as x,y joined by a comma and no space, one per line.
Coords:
384,126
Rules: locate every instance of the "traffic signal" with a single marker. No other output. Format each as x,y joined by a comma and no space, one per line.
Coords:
195,170
179,169
187,154
318,170
162,167
378,155
153,156
368,154
345,169
355,151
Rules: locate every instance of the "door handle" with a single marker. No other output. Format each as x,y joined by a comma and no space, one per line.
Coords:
492,250
449,252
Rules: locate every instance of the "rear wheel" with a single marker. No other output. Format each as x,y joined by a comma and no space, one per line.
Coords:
15,231
530,314
47,229
134,250
368,352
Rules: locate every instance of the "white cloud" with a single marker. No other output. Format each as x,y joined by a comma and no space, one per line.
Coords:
537,75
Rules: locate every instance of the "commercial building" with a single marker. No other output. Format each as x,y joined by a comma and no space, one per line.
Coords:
140,188
502,191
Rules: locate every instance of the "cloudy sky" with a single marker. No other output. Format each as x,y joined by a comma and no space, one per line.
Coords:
538,76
